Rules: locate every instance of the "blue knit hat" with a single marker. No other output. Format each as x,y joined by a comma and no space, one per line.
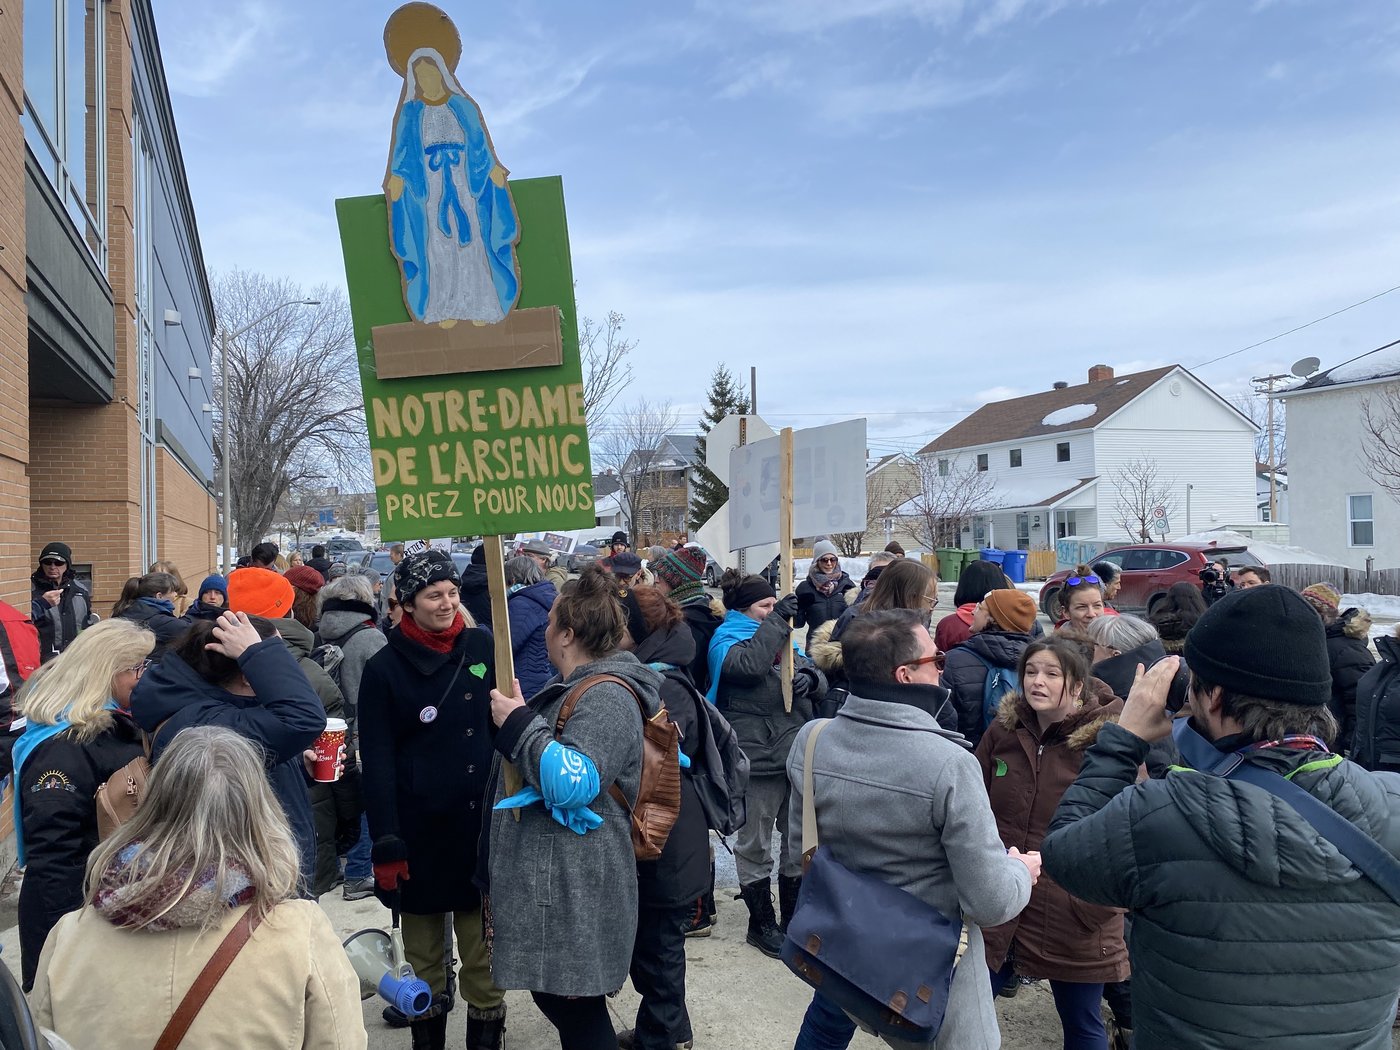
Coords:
215,583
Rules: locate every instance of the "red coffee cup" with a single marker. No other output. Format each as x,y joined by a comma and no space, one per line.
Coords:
330,751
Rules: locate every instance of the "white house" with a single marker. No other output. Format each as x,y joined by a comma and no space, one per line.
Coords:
1338,510
1261,488
1056,457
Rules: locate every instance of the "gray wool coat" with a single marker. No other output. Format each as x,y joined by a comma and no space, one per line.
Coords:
565,905
335,625
902,799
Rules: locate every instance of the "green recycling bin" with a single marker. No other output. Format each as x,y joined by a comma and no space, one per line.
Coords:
950,563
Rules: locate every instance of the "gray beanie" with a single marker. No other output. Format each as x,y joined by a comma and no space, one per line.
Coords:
821,549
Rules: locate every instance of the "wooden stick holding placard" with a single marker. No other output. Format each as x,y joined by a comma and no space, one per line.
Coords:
500,631
785,548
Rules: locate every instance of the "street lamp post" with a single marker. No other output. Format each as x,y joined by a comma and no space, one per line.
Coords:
223,355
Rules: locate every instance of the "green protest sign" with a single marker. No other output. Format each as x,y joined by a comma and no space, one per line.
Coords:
458,452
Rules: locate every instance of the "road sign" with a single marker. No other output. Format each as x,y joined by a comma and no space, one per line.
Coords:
1161,525
723,438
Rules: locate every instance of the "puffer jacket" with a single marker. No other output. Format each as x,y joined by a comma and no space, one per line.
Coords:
751,696
1350,658
1250,930
529,616
815,608
164,625
1026,772
965,675
1376,743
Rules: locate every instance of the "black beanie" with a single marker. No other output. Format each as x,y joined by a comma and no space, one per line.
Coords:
425,569
1265,642
57,550
752,589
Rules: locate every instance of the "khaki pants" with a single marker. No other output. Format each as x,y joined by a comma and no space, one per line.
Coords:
424,947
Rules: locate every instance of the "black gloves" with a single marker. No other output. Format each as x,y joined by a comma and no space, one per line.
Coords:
787,606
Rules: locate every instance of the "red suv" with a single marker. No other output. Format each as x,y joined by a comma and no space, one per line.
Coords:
1149,569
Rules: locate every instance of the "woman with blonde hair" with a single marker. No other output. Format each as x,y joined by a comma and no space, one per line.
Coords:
208,856
78,732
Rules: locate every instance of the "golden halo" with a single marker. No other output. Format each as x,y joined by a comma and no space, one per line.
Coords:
420,25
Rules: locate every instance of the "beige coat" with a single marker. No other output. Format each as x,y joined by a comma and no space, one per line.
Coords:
103,988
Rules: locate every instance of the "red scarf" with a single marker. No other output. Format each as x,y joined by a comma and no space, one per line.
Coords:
437,641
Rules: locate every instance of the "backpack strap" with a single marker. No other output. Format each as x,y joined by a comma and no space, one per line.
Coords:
571,699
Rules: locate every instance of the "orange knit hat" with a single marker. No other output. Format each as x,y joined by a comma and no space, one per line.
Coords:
259,592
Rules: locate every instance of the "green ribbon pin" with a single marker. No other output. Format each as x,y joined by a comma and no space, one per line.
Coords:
1000,769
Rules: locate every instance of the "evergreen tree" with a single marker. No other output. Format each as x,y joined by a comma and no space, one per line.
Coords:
726,399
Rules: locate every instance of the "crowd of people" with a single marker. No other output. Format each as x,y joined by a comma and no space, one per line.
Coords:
1070,795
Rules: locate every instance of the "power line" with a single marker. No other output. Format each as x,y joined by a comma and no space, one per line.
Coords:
1319,320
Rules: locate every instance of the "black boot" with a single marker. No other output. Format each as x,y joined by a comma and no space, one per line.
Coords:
486,1029
430,1033
709,897
788,885
763,924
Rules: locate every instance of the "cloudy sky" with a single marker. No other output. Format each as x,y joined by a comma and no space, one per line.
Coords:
893,208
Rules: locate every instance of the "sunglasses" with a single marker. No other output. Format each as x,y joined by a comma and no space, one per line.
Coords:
53,561
937,659
1075,581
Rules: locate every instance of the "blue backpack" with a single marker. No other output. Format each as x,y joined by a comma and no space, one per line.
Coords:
1000,681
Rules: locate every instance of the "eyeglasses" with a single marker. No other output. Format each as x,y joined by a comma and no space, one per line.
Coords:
937,659
52,561
138,669
931,600
1075,581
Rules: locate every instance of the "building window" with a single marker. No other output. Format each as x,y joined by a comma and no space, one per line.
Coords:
65,100
1062,452
1023,532
942,468
981,461
1066,525
1361,524
1015,457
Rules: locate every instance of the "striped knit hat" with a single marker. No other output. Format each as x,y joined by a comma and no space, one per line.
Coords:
678,568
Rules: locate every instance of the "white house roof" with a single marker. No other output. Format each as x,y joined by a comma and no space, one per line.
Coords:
1378,364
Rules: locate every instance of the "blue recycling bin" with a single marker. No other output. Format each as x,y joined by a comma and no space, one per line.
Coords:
1013,563
992,555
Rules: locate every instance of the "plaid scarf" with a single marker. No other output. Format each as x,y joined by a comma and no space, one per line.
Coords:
126,900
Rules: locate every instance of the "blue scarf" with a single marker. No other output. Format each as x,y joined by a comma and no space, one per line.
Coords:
735,628
35,734
165,605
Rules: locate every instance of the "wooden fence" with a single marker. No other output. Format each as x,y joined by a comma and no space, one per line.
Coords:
1348,581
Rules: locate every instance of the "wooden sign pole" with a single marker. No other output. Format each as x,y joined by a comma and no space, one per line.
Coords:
785,548
500,631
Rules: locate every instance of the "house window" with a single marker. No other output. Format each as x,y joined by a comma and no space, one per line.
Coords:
942,468
64,105
1361,524
1023,532
981,461
1066,525
1015,457
1062,452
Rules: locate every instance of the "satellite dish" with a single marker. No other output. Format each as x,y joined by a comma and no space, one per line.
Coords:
1306,367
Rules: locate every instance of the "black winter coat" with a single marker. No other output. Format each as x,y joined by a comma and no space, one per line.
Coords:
965,676
703,621
1350,658
426,750
1376,743
815,608
283,717
58,624
165,626
1118,673
476,596
682,872
56,789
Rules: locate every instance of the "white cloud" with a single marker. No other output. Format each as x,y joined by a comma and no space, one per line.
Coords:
924,91
200,56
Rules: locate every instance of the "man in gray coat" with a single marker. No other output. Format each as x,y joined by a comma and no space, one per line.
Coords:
1251,929
899,796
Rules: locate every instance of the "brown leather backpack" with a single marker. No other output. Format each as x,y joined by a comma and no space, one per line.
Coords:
658,802
119,797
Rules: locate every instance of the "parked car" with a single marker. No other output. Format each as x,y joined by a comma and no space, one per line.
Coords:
353,559
584,555
1149,569
343,545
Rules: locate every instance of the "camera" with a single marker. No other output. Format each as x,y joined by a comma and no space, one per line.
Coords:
1180,687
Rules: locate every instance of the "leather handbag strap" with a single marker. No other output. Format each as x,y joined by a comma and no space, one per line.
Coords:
809,797
208,978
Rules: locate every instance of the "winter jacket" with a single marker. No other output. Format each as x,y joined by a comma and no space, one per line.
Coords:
425,745
321,565
1350,658
1118,673
199,611
564,904
1376,742
300,641
965,675
165,626
1250,930
57,788
751,696
529,616
58,624
1026,771
682,873
351,626
283,717
815,608
703,617
476,595
290,986
954,629
900,798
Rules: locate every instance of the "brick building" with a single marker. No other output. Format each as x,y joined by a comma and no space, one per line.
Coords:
106,320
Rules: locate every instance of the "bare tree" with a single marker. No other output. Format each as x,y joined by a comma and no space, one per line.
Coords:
299,508
295,408
606,370
885,492
1380,456
1256,407
1140,490
948,497
634,448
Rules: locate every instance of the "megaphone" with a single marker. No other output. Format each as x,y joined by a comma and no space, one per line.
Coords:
379,962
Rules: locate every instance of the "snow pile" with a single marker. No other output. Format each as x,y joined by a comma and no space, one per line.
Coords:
1072,414
1368,366
1269,553
1380,606
1031,587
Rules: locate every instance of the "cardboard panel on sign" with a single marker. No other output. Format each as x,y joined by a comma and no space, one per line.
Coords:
828,485
724,437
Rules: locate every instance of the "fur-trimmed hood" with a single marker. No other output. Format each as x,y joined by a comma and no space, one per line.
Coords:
1079,729
1356,623
825,653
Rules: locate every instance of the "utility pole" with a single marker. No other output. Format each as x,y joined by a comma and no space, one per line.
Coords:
753,390
1267,389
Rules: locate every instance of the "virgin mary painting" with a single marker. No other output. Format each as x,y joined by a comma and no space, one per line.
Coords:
452,222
